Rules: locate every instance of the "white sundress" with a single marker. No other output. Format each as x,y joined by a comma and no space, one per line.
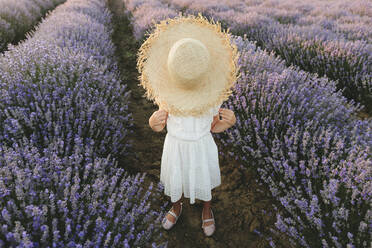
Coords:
189,163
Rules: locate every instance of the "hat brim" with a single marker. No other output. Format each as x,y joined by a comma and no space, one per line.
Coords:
216,84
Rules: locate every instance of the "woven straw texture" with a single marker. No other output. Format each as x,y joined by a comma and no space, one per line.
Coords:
215,85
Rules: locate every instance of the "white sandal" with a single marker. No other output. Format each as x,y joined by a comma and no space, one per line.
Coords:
167,224
209,230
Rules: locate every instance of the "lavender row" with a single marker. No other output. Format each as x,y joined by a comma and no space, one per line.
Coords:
349,20
307,146
18,17
310,47
84,27
64,115
51,200
143,14
62,83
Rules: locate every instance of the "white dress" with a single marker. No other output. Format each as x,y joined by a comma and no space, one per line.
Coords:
189,163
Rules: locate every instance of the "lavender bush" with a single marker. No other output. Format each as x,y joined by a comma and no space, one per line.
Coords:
353,28
94,8
308,147
83,27
50,92
53,85
80,200
347,19
143,14
18,17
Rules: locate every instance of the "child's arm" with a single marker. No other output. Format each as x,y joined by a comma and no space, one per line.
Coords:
158,120
228,120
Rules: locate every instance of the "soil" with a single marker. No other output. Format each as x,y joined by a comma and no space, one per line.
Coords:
364,115
237,203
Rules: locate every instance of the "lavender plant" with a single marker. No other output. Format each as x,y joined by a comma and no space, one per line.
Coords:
308,147
349,20
56,85
351,28
82,26
18,17
143,14
94,8
344,18
348,63
73,201
48,92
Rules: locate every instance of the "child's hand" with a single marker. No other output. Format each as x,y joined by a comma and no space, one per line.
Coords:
160,117
158,120
227,116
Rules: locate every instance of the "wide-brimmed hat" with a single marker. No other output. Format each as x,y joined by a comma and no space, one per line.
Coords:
188,65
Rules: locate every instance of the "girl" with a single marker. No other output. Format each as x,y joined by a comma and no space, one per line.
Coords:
188,66
157,122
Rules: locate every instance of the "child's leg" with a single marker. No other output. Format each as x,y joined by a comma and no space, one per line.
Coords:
177,204
207,212
176,210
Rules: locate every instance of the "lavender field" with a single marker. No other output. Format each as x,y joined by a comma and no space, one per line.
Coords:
19,17
80,166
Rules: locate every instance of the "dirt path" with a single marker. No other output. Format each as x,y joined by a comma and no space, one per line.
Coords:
236,204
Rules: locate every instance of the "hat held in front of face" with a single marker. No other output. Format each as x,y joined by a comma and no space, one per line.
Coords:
187,65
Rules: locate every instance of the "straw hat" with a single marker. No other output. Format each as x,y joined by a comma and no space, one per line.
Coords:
188,65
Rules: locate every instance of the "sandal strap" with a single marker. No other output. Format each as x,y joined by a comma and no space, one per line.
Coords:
203,226
211,218
206,220
175,216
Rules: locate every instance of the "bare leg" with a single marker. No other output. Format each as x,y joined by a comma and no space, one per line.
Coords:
176,209
207,212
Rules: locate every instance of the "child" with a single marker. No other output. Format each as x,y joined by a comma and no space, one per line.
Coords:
188,66
157,122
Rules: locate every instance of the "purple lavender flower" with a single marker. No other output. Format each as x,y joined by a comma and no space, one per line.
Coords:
307,146
73,222
18,17
63,83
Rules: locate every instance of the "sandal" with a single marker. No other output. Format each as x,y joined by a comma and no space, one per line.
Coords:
167,224
209,230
